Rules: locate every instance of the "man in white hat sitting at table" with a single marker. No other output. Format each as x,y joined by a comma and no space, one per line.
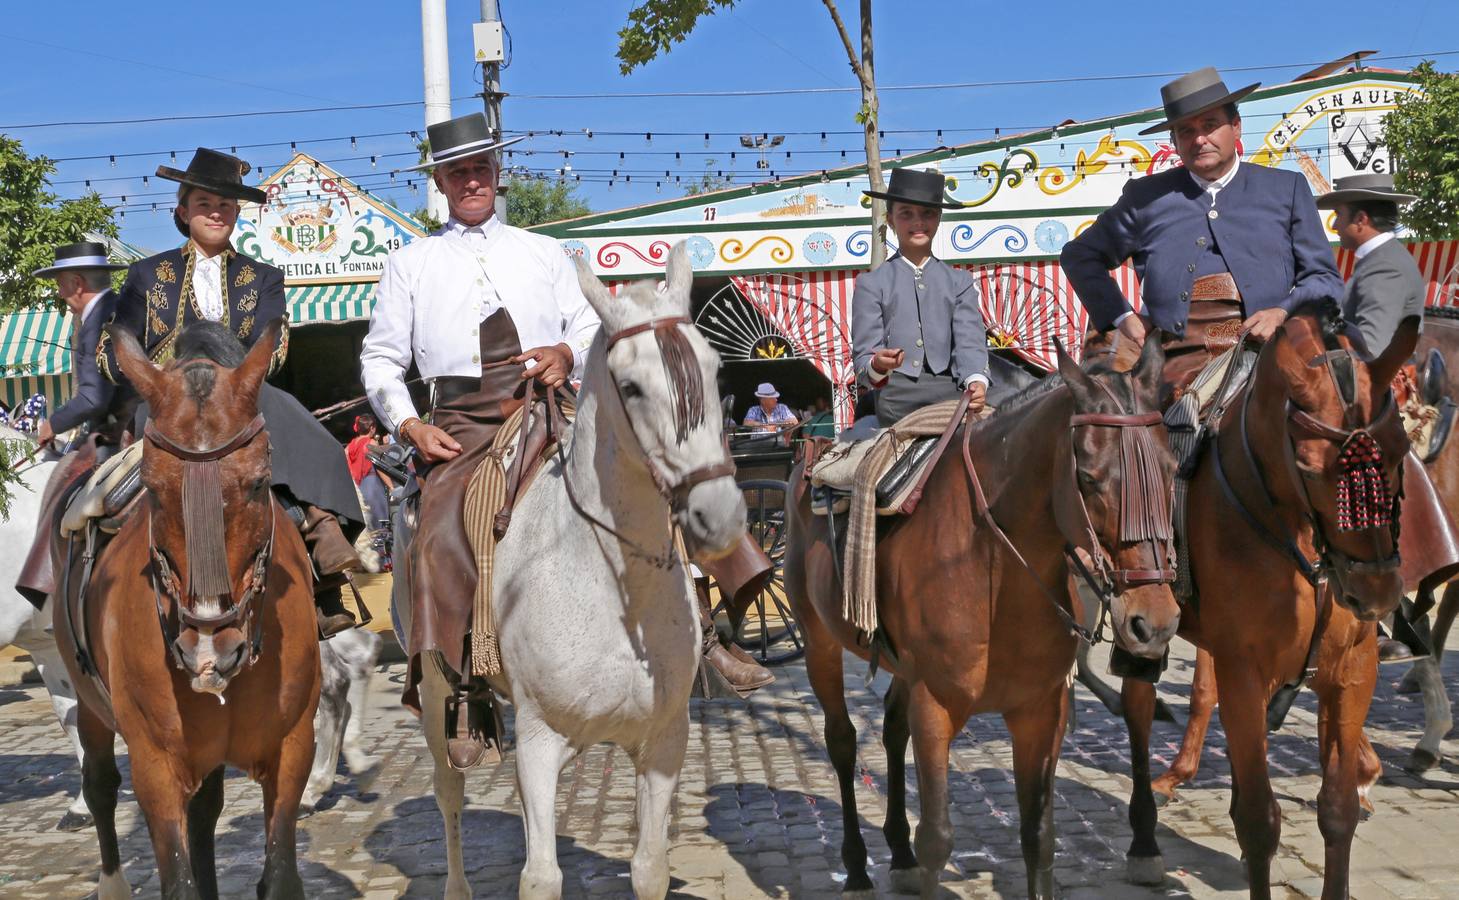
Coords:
770,417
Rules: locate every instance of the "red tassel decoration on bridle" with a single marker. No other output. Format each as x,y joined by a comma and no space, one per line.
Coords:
1363,497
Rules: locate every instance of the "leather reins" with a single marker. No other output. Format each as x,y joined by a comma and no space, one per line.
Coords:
241,610
674,490
1106,581
1315,571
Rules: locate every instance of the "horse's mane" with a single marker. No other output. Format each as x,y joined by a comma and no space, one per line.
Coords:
1329,319
209,341
212,341
1028,395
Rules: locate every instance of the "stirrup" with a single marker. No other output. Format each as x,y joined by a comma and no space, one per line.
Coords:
475,728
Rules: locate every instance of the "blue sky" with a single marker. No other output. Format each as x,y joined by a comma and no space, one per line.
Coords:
72,61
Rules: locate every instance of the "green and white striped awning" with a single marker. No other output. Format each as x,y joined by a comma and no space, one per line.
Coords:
310,304
36,356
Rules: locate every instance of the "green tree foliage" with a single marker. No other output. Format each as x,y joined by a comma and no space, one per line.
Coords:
533,201
1423,136
655,26
33,221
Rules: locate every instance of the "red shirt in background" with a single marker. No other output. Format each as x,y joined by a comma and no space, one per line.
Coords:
355,453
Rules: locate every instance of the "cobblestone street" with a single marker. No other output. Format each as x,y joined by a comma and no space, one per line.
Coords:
757,812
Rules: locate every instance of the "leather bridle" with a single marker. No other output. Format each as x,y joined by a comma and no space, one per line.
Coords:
1106,581
674,490
1329,559
241,610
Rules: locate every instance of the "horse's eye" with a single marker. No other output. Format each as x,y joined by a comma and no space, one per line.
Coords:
629,390
260,485
1087,480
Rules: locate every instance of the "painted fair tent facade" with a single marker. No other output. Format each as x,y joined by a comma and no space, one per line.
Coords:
792,248
331,239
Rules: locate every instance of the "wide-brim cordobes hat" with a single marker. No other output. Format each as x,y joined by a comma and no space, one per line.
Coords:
923,187
1356,188
459,138
1193,94
216,173
81,255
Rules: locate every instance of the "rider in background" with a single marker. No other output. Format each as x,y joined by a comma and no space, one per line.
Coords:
82,274
917,330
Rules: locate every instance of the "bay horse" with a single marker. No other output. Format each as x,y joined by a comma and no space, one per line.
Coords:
196,640
1440,333
972,604
596,614
1293,549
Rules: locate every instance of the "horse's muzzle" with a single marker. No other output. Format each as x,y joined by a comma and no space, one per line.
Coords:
211,659
1369,590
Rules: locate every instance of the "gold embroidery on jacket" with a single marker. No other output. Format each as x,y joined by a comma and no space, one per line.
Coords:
245,276
248,302
165,273
245,328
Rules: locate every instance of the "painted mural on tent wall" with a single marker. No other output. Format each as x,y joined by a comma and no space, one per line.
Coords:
1025,197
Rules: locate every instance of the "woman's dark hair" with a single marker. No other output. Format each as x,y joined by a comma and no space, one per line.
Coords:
364,423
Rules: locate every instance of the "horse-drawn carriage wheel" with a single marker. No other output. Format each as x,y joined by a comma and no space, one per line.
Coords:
768,629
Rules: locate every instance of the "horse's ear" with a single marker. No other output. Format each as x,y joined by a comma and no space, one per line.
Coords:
1078,380
1382,370
596,293
255,365
680,275
132,359
1147,372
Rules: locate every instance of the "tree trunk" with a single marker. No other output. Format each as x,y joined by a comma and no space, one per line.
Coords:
866,77
873,141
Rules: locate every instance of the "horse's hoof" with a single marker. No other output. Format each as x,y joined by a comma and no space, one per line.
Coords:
1163,800
1421,761
74,821
1145,869
360,763
1408,684
906,881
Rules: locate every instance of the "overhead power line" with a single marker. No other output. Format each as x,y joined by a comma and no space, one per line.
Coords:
768,92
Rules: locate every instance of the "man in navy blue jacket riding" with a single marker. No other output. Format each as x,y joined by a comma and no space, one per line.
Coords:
1219,245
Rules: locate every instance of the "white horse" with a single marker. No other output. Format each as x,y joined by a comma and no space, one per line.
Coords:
346,659
599,631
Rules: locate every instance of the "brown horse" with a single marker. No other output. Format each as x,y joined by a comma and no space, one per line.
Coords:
199,640
1441,334
1294,553
975,625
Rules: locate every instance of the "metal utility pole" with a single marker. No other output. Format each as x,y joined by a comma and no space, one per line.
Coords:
490,53
437,67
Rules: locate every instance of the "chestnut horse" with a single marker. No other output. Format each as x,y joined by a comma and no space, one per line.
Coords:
1293,545
1443,335
198,642
972,590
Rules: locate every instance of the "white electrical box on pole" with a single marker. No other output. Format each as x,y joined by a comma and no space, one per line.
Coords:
490,49
437,68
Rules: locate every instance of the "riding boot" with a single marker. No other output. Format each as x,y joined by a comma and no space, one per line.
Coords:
328,547
475,729
330,612
1404,646
333,555
738,668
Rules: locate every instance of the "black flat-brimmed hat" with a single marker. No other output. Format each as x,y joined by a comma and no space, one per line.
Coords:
459,138
81,255
1356,188
923,187
1193,94
216,173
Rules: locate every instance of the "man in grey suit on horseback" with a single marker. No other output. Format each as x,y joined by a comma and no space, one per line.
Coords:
917,330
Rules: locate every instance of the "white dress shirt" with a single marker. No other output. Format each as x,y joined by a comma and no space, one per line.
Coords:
435,292
208,284
1373,243
90,307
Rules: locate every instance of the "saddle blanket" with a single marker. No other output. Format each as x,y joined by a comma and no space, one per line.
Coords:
485,500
